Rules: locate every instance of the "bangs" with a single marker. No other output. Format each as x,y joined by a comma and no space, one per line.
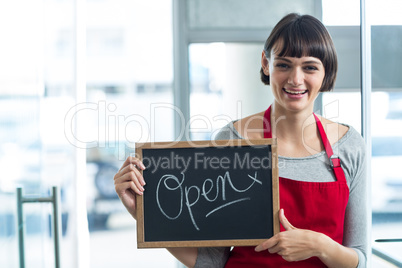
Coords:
300,42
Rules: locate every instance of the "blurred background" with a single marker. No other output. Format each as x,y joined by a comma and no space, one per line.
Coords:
82,81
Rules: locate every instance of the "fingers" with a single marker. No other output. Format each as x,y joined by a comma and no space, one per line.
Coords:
272,244
267,244
128,185
129,176
284,221
133,161
131,168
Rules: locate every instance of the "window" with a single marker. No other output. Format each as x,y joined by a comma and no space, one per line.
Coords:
129,84
386,127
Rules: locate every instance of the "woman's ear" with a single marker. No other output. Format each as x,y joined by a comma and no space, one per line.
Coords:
264,64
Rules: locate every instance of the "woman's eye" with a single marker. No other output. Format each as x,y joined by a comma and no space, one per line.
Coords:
282,65
311,68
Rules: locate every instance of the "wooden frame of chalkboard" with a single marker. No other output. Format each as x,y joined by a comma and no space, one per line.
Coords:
208,193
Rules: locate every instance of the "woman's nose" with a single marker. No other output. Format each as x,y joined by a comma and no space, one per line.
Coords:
296,77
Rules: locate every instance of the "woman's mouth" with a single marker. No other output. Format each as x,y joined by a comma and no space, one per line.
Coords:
295,92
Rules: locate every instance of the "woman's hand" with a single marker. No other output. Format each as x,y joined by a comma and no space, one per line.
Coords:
293,244
129,182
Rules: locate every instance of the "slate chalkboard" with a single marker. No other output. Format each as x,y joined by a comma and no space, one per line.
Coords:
208,193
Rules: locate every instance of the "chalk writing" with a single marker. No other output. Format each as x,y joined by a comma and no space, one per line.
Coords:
171,183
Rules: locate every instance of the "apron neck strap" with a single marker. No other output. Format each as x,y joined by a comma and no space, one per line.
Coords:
334,160
324,138
267,124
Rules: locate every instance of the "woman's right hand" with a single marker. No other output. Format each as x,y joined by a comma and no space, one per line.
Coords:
129,182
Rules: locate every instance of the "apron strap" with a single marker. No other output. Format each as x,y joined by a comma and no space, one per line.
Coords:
334,160
267,124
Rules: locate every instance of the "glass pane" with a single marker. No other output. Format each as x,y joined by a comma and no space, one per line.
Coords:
214,14
36,69
8,237
341,12
129,90
224,86
343,104
58,155
343,107
347,44
386,42
386,38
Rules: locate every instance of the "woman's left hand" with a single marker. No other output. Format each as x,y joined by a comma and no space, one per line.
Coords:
292,244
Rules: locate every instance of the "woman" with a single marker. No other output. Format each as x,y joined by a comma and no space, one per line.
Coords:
323,195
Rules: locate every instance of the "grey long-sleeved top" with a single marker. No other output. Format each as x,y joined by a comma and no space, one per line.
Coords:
316,168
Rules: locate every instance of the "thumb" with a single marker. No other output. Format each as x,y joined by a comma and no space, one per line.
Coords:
284,221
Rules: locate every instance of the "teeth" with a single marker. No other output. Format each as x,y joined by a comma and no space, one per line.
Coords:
295,92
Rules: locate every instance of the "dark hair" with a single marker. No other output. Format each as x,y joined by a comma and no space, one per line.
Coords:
303,35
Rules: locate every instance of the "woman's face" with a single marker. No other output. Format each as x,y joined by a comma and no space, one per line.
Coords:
295,82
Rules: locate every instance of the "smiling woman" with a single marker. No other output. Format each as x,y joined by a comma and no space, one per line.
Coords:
322,194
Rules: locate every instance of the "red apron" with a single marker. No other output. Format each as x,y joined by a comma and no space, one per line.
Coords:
317,206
